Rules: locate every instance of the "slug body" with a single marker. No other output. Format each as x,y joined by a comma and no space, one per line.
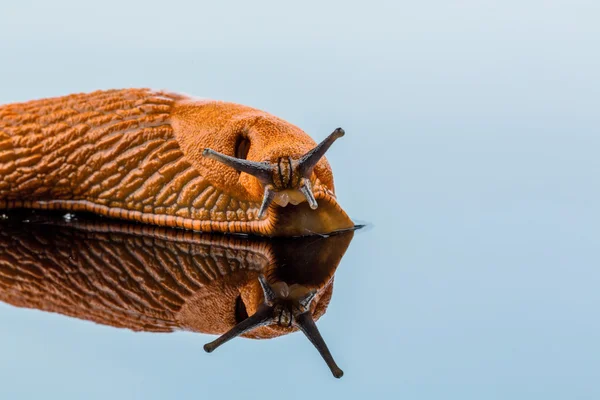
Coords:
166,159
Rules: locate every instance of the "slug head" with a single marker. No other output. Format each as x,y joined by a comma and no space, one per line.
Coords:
261,163
287,180
285,306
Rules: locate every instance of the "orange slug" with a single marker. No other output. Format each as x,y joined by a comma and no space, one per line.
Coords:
156,279
168,159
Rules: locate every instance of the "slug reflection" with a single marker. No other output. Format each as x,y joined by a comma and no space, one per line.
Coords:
160,280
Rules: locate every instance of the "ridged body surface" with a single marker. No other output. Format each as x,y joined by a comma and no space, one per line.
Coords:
136,154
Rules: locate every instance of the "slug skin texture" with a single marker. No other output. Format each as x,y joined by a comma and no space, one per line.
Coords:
137,154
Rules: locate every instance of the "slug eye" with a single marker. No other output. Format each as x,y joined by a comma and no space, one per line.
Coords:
240,310
242,147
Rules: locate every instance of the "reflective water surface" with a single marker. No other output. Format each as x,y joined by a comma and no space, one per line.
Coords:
471,149
152,279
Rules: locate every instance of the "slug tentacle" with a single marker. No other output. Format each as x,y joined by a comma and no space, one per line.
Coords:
261,170
306,190
267,200
261,317
308,326
285,175
283,306
268,291
307,163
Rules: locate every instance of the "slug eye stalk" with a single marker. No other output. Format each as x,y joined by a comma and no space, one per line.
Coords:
283,308
285,174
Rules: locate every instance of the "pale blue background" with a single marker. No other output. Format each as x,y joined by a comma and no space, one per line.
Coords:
472,147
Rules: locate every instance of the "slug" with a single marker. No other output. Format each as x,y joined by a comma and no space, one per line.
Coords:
156,279
170,160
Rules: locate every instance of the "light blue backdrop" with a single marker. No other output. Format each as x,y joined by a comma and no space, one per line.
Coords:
473,133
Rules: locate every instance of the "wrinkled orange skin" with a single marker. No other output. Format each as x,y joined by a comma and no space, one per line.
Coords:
136,154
